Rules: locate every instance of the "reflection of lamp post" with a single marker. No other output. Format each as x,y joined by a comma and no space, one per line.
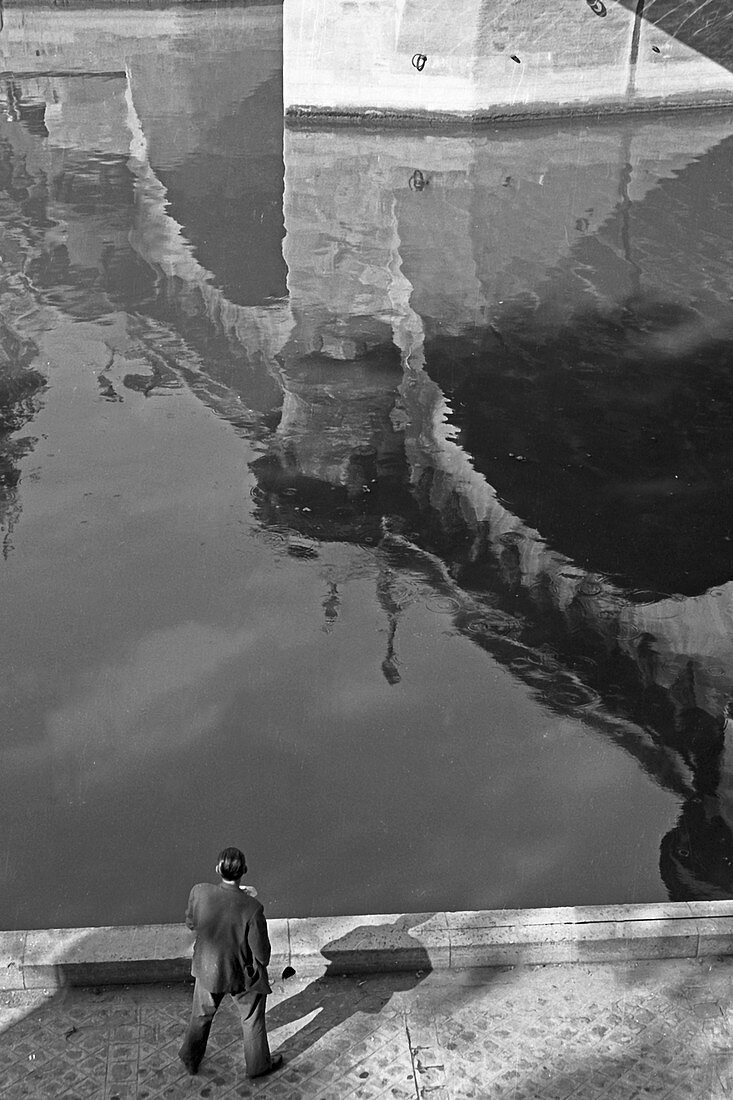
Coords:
11,102
393,608
389,664
331,604
625,212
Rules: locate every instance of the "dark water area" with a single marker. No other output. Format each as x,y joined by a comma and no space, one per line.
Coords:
364,497
616,417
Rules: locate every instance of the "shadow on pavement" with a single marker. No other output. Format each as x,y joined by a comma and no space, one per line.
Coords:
336,1001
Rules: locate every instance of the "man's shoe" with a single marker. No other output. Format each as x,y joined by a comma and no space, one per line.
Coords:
275,1062
191,1070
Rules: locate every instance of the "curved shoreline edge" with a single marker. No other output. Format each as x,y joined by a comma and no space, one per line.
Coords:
313,116
316,946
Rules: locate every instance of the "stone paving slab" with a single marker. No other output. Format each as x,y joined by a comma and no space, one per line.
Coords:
658,1029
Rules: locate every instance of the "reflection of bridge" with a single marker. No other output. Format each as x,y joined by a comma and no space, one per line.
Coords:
404,265
394,243
377,264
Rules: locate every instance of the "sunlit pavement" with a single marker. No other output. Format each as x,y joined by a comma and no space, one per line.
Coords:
660,1029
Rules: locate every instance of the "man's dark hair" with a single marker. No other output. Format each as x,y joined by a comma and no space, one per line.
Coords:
231,864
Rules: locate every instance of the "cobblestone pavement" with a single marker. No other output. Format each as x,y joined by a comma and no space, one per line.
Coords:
660,1029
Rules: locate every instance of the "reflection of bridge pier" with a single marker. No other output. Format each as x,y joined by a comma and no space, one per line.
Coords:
429,236
152,124
365,251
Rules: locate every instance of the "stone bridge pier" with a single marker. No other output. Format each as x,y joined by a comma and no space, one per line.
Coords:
485,60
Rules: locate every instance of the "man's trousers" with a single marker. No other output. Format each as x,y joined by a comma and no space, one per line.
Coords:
251,1007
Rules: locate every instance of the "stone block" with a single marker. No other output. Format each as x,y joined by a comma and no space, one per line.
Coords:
572,934
12,949
510,945
509,918
716,935
93,956
705,909
637,939
575,914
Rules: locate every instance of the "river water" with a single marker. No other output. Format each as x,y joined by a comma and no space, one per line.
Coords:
365,496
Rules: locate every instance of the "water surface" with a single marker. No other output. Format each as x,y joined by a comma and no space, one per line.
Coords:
365,497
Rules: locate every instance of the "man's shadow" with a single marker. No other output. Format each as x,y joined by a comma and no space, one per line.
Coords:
369,991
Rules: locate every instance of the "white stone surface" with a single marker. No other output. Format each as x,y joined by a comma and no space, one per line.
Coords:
513,59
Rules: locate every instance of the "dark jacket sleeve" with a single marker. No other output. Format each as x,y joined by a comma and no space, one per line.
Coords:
190,911
259,941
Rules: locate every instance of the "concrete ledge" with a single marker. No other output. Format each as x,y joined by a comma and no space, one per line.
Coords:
105,956
314,947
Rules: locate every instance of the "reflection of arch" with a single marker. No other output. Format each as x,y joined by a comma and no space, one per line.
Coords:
653,635
190,93
374,259
157,237
77,248
581,643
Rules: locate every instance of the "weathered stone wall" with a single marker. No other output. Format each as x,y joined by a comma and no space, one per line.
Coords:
489,60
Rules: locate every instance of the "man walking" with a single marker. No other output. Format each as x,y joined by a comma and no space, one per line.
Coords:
230,955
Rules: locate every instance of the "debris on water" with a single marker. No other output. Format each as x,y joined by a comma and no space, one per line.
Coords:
443,604
106,389
301,549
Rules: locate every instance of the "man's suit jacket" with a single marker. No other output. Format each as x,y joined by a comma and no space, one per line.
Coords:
232,947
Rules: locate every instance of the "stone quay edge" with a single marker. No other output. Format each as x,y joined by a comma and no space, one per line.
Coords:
317,946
